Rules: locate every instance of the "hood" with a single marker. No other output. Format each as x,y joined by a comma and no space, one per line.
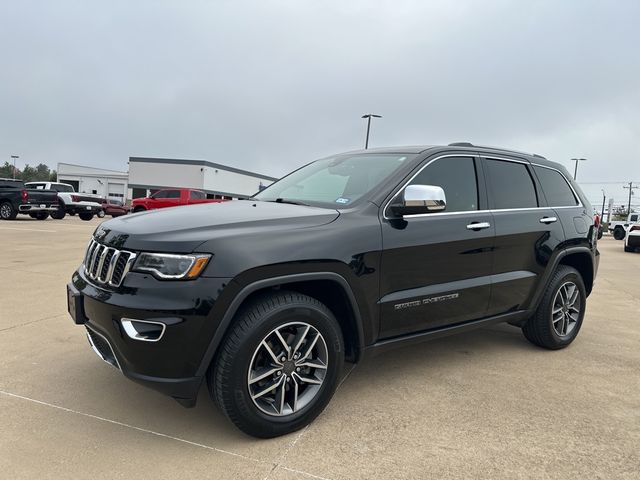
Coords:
182,229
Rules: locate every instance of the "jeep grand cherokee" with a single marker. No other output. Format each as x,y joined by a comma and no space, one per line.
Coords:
346,256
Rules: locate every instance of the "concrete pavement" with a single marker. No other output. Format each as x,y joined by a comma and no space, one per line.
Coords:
485,404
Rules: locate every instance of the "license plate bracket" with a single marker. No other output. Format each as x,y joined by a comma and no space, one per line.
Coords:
75,305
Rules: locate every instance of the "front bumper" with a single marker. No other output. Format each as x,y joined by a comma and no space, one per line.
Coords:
184,307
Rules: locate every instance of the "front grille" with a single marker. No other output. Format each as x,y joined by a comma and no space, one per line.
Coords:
102,348
107,265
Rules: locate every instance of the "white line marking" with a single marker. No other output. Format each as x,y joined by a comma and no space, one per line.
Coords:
27,229
144,430
163,435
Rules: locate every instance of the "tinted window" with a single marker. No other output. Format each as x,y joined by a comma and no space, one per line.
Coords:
173,194
511,185
160,194
457,177
633,218
37,186
196,195
61,188
555,188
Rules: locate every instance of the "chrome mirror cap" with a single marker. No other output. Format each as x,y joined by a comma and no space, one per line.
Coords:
429,198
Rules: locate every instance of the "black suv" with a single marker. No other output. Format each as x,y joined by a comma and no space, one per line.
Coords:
348,255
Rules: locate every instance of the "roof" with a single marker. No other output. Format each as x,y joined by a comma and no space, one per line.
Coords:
204,163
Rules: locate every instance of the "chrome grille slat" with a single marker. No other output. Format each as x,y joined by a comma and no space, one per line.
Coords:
104,264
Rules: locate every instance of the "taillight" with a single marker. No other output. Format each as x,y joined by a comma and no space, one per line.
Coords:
596,220
24,196
635,227
75,198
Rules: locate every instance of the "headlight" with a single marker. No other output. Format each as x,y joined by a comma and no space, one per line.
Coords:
167,266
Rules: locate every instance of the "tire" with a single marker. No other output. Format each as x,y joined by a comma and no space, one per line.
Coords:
60,213
139,209
41,215
541,329
242,352
619,233
86,216
100,214
629,249
7,212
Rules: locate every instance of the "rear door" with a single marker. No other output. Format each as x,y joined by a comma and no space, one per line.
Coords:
436,267
527,232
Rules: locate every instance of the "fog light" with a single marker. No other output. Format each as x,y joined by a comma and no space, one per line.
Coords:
143,330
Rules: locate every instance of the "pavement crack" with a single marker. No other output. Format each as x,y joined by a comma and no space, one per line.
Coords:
30,322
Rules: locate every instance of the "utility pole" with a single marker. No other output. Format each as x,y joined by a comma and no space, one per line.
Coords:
14,157
368,117
604,197
575,171
630,187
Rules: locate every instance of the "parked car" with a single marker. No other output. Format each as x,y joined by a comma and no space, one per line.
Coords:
171,197
619,228
16,198
69,202
632,239
345,257
115,208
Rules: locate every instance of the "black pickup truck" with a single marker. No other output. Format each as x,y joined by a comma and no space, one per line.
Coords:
15,199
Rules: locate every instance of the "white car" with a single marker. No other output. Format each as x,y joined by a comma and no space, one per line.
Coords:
632,239
84,204
619,228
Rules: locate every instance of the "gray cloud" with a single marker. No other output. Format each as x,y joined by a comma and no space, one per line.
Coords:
270,85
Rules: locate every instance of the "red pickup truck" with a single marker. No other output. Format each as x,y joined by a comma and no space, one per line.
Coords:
171,197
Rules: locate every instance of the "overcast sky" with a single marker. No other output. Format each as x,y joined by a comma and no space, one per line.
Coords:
269,85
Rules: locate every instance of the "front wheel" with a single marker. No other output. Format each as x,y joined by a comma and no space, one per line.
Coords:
279,365
559,316
86,216
100,214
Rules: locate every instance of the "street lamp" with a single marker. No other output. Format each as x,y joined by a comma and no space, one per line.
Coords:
14,157
368,117
575,171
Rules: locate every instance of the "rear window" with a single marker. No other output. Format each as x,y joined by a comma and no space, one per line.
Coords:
58,187
511,185
196,195
556,188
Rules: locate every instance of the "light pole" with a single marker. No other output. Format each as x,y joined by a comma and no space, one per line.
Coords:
368,117
14,157
575,171
604,197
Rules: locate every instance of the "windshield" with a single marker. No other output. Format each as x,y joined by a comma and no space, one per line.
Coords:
335,181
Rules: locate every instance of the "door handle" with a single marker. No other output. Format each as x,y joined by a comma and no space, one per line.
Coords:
548,220
478,225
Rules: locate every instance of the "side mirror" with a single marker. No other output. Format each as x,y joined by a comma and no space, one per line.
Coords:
419,199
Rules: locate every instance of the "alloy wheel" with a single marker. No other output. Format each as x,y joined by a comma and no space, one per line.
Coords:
287,369
5,211
565,311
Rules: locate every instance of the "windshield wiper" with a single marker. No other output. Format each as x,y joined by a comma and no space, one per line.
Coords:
292,202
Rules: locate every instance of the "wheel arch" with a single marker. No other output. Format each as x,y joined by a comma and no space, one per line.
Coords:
580,260
330,288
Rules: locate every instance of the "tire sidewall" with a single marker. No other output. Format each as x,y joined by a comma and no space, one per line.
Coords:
3,207
326,324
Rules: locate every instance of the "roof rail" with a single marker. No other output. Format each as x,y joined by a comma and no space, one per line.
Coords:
461,144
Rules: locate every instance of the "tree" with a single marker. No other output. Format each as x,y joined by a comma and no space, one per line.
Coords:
40,173
6,170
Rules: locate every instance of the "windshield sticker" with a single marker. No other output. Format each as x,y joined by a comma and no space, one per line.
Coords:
343,200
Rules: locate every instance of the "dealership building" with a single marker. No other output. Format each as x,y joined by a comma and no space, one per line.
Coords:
106,183
148,175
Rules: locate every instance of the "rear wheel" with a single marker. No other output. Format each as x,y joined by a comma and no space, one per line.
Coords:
86,216
559,316
279,365
7,212
619,233
100,214
60,213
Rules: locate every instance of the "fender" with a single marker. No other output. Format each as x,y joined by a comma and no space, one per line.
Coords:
551,267
270,282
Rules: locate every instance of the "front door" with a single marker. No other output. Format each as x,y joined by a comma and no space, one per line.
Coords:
436,267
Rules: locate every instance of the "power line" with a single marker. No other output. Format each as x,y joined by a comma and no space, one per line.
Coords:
630,187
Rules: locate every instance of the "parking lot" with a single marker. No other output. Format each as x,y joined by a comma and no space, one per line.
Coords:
485,404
